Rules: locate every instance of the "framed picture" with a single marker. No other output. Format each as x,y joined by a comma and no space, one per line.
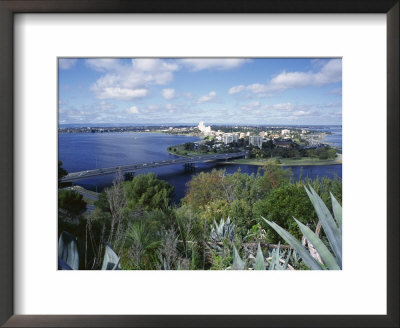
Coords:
143,178
193,149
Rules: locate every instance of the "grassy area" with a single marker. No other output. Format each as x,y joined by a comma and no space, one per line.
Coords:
291,162
182,152
311,161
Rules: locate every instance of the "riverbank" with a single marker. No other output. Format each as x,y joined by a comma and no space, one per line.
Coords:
260,162
289,162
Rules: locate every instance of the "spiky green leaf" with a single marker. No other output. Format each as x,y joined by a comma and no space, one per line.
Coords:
287,260
259,265
238,263
275,259
298,247
337,211
323,251
68,250
111,260
277,256
328,224
271,265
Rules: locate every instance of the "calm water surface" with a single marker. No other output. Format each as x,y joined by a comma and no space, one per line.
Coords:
85,151
335,136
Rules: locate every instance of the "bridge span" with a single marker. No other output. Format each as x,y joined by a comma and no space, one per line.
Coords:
131,168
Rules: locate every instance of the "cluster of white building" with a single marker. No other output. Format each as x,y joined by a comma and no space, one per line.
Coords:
255,140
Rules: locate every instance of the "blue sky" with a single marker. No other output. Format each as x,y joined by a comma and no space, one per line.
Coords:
214,90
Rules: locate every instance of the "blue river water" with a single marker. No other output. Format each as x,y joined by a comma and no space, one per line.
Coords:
334,138
85,151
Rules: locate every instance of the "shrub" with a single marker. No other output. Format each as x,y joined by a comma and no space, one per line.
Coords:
332,225
281,205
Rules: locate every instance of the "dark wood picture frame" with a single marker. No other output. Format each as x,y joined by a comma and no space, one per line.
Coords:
7,10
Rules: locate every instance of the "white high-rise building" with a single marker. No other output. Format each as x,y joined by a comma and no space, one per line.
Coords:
256,141
228,138
204,129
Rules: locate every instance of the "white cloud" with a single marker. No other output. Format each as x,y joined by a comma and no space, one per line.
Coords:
255,105
133,110
152,108
236,89
301,113
330,72
168,93
257,88
282,107
153,65
251,106
127,81
119,93
66,63
103,64
206,98
198,64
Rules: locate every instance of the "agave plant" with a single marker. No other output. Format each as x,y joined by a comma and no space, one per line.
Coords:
332,225
274,262
279,260
238,263
111,260
68,256
223,230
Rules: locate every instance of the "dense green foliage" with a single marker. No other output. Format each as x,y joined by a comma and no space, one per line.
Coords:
318,256
137,219
281,205
147,192
71,203
62,173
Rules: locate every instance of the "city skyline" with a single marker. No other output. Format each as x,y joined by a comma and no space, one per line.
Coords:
230,91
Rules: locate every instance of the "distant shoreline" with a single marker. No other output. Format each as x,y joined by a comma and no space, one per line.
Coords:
290,162
283,161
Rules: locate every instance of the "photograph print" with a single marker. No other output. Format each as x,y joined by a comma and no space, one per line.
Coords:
199,164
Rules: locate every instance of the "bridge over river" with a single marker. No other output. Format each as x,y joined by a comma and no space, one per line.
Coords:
132,168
